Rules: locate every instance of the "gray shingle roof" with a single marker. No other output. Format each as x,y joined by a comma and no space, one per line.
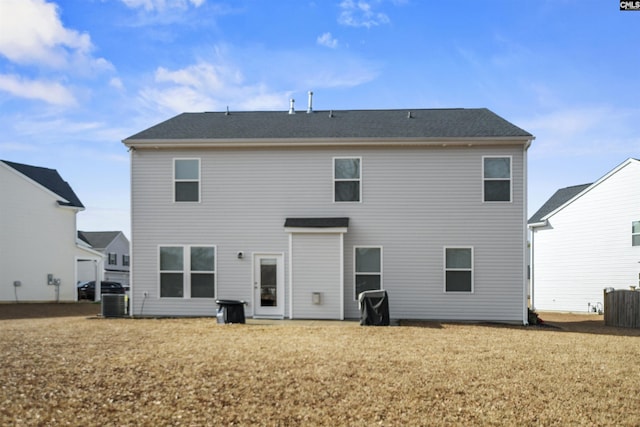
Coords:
558,199
424,123
317,222
98,239
50,179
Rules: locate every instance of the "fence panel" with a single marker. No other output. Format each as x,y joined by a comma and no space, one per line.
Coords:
622,308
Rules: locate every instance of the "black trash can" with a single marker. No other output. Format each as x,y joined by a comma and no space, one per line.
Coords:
374,308
230,311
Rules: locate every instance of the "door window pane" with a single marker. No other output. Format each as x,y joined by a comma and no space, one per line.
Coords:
268,282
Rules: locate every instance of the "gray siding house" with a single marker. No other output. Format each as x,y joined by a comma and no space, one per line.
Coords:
298,213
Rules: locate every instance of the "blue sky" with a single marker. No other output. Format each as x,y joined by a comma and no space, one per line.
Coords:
78,76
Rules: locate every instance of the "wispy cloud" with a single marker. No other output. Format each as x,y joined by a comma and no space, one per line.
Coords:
50,92
160,5
327,40
361,14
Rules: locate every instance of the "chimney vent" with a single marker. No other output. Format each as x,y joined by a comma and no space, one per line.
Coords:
291,108
310,107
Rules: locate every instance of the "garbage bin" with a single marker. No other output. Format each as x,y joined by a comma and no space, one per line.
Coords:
230,311
374,308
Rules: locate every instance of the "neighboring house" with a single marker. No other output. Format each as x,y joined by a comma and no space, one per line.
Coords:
38,248
114,245
587,238
298,213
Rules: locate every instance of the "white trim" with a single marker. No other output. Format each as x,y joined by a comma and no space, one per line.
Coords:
324,142
316,230
174,180
355,272
280,269
525,258
445,269
341,284
498,179
290,275
334,180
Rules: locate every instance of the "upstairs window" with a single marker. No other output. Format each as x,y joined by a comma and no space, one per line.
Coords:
496,173
347,180
458,269
186,176
635,233
368,269
125,260
113,258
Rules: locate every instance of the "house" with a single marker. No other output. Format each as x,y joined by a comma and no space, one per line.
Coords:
587,238
114,245
298,213
38,247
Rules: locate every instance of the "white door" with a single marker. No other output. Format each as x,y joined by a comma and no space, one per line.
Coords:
268,285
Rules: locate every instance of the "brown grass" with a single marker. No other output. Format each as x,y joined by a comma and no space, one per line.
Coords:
61,367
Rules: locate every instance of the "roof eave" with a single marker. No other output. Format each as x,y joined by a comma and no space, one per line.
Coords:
326,142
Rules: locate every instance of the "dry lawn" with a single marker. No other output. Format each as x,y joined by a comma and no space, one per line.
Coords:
63,366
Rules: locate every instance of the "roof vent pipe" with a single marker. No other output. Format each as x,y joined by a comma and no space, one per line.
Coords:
310,107
291,108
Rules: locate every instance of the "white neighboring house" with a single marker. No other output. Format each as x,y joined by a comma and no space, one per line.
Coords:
39,252
114,245
298,213
587,238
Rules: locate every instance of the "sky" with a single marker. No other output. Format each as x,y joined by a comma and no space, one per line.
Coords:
79,76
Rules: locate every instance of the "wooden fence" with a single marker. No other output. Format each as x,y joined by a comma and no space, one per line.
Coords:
622,308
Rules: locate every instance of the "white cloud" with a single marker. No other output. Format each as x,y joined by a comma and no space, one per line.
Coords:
32,33
116,83
50,92
361,14
160,5
327,40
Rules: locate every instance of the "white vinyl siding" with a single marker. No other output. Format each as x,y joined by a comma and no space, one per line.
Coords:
571,268
405,208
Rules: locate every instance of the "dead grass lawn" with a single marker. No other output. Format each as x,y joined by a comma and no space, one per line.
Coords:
62,369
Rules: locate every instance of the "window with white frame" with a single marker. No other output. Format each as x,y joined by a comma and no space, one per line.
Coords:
368,269
186,176
347,179
458,269
187,271
635,233
496,174
113,258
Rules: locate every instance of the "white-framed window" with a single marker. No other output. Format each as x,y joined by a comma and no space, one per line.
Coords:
496,179
635,233
367,261
113,258
347,179
186,180
187,271
125,260
458,269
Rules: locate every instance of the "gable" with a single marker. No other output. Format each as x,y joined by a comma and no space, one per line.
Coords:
51,180
566,196
98,239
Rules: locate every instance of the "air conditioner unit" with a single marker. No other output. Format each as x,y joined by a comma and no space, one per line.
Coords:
114,305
